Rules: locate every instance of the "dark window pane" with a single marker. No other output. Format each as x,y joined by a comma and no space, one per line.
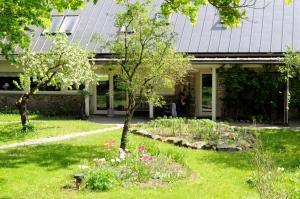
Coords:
206,93
46,88
103,92
6,83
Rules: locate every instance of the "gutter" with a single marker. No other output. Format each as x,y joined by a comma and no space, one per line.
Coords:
215,60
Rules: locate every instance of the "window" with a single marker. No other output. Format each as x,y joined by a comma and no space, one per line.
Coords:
46,88
62,23
68,24
7,83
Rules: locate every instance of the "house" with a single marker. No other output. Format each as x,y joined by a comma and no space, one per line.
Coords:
262,38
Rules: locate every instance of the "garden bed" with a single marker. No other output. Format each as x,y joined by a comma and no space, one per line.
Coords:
143,166
197,134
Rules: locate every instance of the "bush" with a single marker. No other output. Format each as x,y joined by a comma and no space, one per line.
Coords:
143,164
176,155
204,129
100,179
270,181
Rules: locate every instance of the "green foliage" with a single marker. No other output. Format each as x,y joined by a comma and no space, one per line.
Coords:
294,102
100,179
178,156
145,49
18,17
141,165
292,63
271,181
254,92
202,129
63,65
230,11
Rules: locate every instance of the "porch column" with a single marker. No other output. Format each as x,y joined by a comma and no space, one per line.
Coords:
214,91
151,111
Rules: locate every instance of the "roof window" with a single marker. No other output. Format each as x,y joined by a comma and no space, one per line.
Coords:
62,23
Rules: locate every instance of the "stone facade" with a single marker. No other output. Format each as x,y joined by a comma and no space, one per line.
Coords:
46,104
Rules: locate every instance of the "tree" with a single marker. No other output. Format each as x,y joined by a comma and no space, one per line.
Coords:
17,18
63,65
290,69
147,58
231,11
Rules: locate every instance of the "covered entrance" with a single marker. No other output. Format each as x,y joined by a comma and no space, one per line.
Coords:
205,93
110,98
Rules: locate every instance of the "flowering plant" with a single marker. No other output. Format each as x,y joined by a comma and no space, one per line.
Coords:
109,144
142,148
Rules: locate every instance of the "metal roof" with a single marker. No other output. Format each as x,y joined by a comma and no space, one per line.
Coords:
269,28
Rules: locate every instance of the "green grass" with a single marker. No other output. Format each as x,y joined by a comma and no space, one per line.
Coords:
40,171
11,131
6,117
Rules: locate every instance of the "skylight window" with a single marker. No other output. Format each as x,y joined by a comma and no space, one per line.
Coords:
62,23
69,24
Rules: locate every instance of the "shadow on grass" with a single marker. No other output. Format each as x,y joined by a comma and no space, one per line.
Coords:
282,145
12,131
54,156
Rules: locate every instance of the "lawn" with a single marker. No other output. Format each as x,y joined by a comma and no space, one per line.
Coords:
11,128
41,171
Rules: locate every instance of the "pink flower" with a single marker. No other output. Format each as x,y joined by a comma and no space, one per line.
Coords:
142,148
145,156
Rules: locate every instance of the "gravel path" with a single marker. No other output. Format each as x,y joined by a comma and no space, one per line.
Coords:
58,138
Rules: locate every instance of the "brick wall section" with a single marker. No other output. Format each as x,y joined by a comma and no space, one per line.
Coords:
48,104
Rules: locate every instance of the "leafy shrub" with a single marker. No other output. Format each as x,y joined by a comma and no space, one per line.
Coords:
142,164
272,182
163,169
252,92
100,179
176,155
203,129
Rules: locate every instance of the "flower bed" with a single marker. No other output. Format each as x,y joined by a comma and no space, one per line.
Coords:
197,134
145,165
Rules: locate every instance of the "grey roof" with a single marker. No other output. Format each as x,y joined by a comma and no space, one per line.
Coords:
269,28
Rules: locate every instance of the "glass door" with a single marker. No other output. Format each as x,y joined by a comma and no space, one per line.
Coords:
103,93
110,97
206,94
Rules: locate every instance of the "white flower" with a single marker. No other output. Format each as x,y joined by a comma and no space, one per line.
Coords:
112,160
122,154
280,169
83,167
102,160
118,160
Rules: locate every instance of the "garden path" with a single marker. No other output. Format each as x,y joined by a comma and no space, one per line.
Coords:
58,138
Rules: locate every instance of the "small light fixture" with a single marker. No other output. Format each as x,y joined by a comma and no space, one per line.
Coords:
78,179
126,29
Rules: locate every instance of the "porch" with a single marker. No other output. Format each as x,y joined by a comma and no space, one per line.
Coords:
200,88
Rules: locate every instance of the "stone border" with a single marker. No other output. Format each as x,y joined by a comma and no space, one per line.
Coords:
204,145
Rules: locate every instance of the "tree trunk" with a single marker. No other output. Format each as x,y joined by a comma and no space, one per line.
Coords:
22,106
127,121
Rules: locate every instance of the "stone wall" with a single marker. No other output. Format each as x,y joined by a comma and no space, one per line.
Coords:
48,104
